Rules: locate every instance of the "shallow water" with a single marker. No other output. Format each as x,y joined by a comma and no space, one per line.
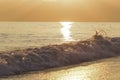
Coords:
18,35
107,69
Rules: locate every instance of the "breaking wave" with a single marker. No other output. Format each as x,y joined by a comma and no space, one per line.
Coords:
51,56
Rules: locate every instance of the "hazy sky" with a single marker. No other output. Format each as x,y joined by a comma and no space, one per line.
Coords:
60,10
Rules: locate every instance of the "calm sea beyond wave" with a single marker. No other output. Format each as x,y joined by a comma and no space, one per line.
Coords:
16,35
59,50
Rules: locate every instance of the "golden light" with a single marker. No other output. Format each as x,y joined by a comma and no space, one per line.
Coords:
86,73
66,30
49,0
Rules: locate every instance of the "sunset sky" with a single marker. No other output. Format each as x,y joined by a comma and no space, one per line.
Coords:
60,10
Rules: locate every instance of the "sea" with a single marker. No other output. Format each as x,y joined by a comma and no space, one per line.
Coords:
19,35
22,35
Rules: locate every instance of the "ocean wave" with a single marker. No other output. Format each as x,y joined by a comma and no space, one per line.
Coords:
51,56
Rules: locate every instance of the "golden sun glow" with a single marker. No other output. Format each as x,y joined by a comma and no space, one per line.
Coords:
66,30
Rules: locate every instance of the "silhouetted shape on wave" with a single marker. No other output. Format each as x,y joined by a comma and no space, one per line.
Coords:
51,56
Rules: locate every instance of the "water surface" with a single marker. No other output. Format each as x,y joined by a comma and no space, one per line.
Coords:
18,35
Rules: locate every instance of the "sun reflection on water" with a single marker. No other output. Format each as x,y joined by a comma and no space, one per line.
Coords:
92,72
66,30
75,75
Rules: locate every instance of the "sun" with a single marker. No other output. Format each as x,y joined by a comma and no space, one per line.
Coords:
66,30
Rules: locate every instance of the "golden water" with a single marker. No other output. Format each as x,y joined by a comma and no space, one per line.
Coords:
17,35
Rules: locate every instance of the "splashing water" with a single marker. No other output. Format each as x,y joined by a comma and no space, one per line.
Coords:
66,30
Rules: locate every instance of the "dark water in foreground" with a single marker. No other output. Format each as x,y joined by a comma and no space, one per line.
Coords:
107,69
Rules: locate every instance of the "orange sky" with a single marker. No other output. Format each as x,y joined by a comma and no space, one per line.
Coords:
60,10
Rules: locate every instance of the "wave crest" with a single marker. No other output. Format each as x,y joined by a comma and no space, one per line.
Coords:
19,61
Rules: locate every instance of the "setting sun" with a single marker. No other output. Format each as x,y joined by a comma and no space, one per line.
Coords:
59,39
